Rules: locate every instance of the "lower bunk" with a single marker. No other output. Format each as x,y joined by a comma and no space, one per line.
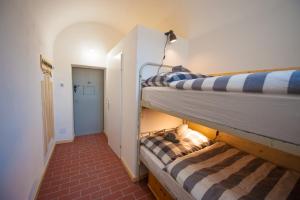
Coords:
220,171
168,188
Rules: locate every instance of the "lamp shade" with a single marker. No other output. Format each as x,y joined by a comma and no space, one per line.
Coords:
171,36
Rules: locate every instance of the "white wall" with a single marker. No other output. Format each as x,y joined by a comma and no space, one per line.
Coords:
81,44
22,159
139,46
128,47
150,45
240,35
152,120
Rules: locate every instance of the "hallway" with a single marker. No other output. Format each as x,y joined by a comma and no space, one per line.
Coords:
88,169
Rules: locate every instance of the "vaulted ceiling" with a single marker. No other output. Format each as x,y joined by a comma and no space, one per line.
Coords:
121,15
189,18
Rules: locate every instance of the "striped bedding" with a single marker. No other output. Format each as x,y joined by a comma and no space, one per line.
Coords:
163,79
168,151
277,82
223,172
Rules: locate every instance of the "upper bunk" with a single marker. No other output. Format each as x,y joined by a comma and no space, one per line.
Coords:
269,117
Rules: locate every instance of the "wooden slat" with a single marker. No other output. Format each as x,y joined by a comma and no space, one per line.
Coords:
273,155
157,189
45,129
47,109
51,114
254,71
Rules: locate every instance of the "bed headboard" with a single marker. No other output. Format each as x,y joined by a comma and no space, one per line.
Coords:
150,69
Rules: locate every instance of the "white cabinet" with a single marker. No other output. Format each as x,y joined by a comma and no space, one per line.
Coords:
113,119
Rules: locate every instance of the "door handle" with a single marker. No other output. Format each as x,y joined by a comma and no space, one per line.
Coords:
75,87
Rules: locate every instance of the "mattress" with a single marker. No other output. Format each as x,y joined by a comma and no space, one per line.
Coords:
268,119
156,167
276,82
223,172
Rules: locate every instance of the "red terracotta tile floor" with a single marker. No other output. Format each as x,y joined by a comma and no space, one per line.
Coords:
88,169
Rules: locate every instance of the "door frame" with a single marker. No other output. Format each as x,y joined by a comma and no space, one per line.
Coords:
104,88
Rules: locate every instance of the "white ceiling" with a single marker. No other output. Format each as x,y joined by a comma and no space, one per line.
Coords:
121,15
189,18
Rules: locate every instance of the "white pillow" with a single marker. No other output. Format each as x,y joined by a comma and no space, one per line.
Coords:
183,131
180,130
195,136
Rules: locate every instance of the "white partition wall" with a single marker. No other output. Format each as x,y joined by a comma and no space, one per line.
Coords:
141,45
114,102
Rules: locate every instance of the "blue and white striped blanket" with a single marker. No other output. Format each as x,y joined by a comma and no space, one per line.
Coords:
277,82
220,171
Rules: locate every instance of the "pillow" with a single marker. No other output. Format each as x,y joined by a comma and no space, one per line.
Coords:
180,68
197,137
180,130
157,80
163,79
178,76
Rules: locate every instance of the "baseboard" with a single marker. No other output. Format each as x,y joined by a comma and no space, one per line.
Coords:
44,172
64,141
130,174
105,135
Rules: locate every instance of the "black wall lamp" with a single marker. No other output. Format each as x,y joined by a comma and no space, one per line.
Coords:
171,37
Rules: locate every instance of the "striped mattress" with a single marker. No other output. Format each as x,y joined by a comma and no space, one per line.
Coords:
223,172
277,82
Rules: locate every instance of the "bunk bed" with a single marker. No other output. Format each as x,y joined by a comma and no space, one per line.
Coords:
265,118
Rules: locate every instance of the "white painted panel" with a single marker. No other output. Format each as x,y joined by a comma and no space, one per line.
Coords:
22,160
113,102
146,47
139,46
242,35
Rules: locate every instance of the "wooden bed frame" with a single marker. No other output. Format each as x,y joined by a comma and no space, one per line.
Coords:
281,158
254,71
271,154
275,156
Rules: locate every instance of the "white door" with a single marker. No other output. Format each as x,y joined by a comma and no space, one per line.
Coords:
113,119
88,92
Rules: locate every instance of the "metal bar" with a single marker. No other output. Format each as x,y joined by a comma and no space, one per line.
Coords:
142,67
153,65
157,131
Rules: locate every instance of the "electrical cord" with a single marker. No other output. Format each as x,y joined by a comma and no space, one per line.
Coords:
162,61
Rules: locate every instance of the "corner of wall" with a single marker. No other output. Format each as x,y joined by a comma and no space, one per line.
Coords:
38,182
